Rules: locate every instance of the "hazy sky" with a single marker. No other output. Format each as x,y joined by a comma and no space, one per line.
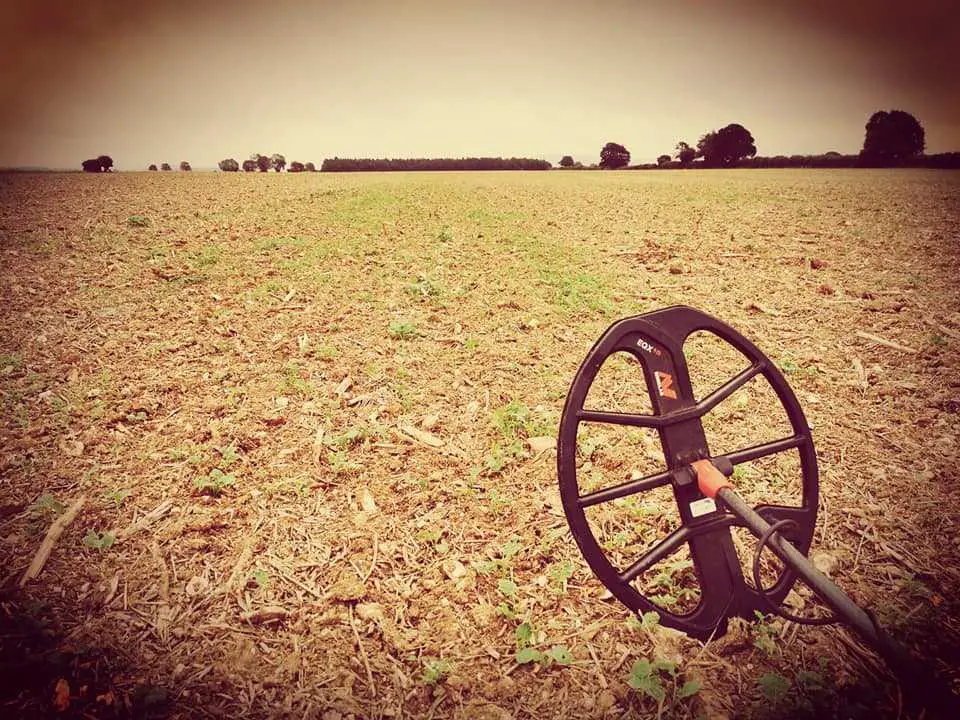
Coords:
201,81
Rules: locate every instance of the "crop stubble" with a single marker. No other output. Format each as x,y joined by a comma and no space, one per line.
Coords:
366,357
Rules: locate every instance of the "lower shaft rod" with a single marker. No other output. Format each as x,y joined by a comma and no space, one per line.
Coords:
929,692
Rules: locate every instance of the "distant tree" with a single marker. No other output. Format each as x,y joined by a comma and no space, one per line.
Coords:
296,166
262,161
249,165
165,166
663,160
614,156
723,147
152,168
103,163
278,162
832,154
228,165
185,166
891,137
310,167
685,153
566,161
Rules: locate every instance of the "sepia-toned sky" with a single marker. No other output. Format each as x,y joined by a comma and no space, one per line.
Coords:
171,80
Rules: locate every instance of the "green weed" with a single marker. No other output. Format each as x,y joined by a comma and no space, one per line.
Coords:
47,505
773,686
117,496
10,363
559,574
402,330
424,289
435,670
213,484
98,541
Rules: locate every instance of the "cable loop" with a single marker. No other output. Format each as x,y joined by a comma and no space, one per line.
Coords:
775,608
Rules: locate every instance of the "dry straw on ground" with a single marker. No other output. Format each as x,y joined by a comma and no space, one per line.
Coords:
308,414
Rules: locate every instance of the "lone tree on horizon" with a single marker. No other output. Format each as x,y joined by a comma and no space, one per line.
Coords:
228,165
892,137
723,147
278,162
663,160
185,166
310,167
566,161
102,163
166,167
152,168
249,165
614,156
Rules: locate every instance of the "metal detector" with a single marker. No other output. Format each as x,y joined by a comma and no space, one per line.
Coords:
708,503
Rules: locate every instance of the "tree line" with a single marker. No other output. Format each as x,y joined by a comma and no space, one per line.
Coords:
426,164
892,139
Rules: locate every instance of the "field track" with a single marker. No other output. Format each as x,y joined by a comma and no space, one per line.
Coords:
299,412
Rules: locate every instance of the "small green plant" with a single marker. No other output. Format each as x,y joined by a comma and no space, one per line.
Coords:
938,340
511,607
213,484
117,496
294,382
435,670
524,635
445,235
557,655
765,636
647,621
470,344
774,687
98,541
325,353
47,505
559,574
497,501
228,456
402,330
10,363
515,421
433,535
789,367
261,578
503,562
341,464
138,221
351,437
424,289
500,457
208,255
672,593
645,678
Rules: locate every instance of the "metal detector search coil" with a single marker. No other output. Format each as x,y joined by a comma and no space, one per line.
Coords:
707,501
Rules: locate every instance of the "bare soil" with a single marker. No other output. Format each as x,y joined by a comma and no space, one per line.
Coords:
306,415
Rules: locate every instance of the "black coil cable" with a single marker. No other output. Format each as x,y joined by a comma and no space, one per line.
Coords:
776,608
